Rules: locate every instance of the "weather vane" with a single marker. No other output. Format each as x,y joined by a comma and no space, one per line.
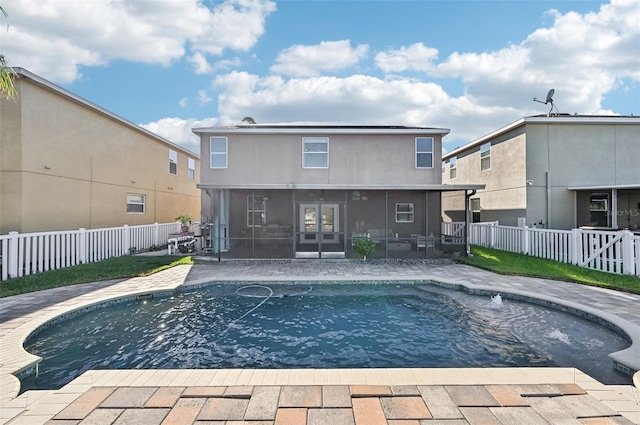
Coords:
547,101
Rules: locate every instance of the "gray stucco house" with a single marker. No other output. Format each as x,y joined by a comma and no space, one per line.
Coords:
558,172
310,190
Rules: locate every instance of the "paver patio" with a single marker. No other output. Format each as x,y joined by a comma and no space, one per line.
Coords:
323,396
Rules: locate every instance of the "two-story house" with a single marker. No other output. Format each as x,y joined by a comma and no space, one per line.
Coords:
309,191
67,163
559,172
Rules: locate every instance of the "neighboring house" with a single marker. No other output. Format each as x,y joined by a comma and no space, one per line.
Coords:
67,163
310,191
557,172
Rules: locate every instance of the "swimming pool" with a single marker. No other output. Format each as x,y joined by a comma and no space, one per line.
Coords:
320,325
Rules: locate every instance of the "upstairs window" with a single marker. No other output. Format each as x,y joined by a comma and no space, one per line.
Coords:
192,169
424,152
218,148
173,162
485,156
135,204
453,171
404,212
315,152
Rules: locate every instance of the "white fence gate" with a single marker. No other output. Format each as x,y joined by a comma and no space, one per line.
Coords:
30,253
607,251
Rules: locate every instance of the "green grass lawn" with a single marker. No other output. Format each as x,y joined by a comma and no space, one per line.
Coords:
508,263
489,259
112,268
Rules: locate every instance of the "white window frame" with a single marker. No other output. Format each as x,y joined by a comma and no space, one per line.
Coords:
453,167
308,154
191,175
420,152
131,201
218,154
485,156
405,216
173,161
252,211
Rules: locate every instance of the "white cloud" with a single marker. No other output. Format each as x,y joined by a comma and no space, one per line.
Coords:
306,61
200,63
54,38
414,57
582,57
183,102
178,130
203,97
356,99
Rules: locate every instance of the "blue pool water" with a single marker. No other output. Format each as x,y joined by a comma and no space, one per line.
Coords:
321,326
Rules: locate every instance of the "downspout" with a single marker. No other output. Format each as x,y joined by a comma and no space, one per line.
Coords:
467,221
547,224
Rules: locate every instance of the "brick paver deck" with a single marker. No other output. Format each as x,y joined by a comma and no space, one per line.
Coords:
322,396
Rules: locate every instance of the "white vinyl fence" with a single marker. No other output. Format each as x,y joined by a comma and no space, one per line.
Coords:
29,253
607,251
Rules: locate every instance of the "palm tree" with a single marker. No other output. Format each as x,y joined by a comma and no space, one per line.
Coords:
7,74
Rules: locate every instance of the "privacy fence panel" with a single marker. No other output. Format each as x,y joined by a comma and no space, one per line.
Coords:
23,254
607,251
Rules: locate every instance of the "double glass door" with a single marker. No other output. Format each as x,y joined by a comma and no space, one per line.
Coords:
319,223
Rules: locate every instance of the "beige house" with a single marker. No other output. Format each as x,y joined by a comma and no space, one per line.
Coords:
313,190
67,163
557,172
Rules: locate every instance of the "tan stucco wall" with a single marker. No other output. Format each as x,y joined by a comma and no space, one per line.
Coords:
570,155
353,159
504,196
552,157
71,166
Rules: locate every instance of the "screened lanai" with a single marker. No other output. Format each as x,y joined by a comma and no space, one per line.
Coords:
405,223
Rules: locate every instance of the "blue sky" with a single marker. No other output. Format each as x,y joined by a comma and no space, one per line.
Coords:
470,66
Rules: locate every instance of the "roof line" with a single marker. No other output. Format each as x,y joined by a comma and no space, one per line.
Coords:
24,73
543,119
321,129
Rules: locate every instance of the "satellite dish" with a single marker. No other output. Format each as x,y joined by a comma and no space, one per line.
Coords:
548,100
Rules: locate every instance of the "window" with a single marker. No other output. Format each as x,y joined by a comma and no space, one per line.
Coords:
444,166
173,162
404,213
475,210
453,171
599,209
256,211
485,156
135,204
192,169
424,152
218,149
315,152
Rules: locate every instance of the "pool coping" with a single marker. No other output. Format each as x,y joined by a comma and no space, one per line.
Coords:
15,360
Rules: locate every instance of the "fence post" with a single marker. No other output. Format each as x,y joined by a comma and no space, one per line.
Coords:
492,236
126,239
525,240
82,245
156,235
13,254
576,246
628,262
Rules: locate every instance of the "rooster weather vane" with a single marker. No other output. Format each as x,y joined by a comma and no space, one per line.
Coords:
548,100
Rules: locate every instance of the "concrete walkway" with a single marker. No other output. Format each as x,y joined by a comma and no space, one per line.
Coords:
313,397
